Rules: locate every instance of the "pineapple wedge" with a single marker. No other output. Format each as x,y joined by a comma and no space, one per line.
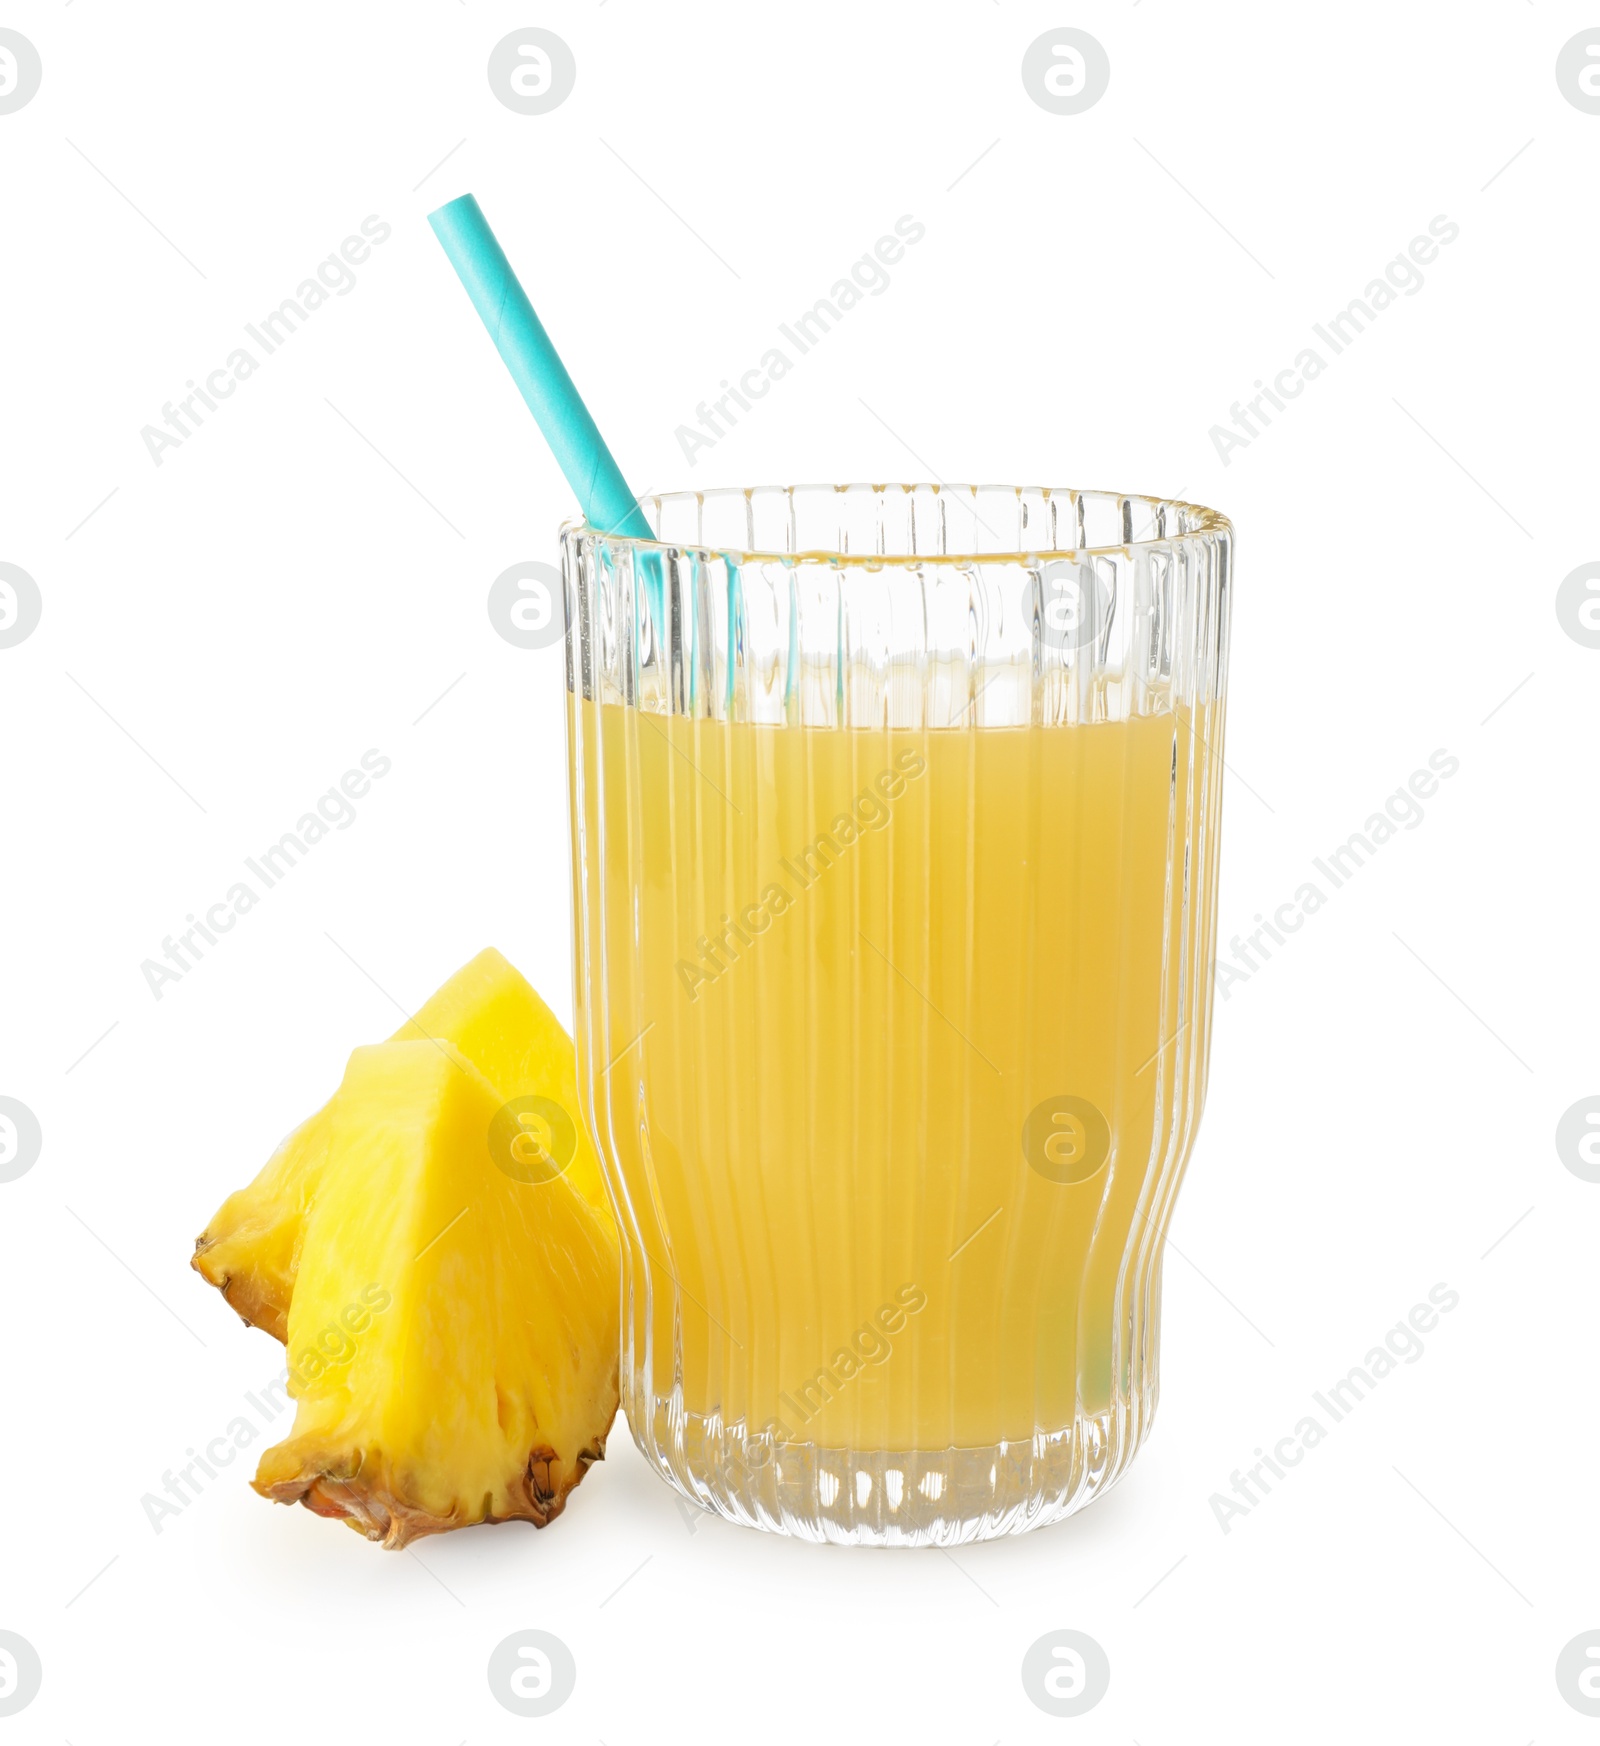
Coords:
492,1015
453,1334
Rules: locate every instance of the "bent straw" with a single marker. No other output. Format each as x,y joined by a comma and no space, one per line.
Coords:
536,368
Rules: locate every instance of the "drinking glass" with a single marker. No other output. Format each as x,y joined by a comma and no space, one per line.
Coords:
894,848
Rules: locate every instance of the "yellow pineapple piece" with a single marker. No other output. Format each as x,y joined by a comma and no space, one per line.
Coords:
493,1016
453,1335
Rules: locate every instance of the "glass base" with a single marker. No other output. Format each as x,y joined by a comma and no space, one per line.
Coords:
853,1497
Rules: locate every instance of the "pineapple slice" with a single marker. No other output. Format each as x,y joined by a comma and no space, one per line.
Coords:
493,1016
453,1335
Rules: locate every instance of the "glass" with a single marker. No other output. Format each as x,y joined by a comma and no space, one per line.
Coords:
894,834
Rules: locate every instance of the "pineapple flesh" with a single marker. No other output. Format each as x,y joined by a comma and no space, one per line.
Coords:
251,1249
453,1327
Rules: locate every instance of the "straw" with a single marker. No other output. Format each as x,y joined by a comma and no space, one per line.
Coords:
536,368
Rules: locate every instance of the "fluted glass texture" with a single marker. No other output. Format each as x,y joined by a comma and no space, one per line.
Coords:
894,827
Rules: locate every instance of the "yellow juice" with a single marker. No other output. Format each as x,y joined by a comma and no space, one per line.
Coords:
834,974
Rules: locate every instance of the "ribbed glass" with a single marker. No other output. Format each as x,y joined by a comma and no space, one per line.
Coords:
894,830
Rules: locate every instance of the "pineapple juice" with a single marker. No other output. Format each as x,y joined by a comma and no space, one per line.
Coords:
879,1042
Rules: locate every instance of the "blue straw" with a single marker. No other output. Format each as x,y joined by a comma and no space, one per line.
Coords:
536,368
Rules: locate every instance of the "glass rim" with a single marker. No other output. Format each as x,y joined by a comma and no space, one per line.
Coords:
1203,523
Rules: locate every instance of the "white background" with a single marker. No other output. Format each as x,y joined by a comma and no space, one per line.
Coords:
225,635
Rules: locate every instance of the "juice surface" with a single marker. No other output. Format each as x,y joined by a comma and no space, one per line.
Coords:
834,973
